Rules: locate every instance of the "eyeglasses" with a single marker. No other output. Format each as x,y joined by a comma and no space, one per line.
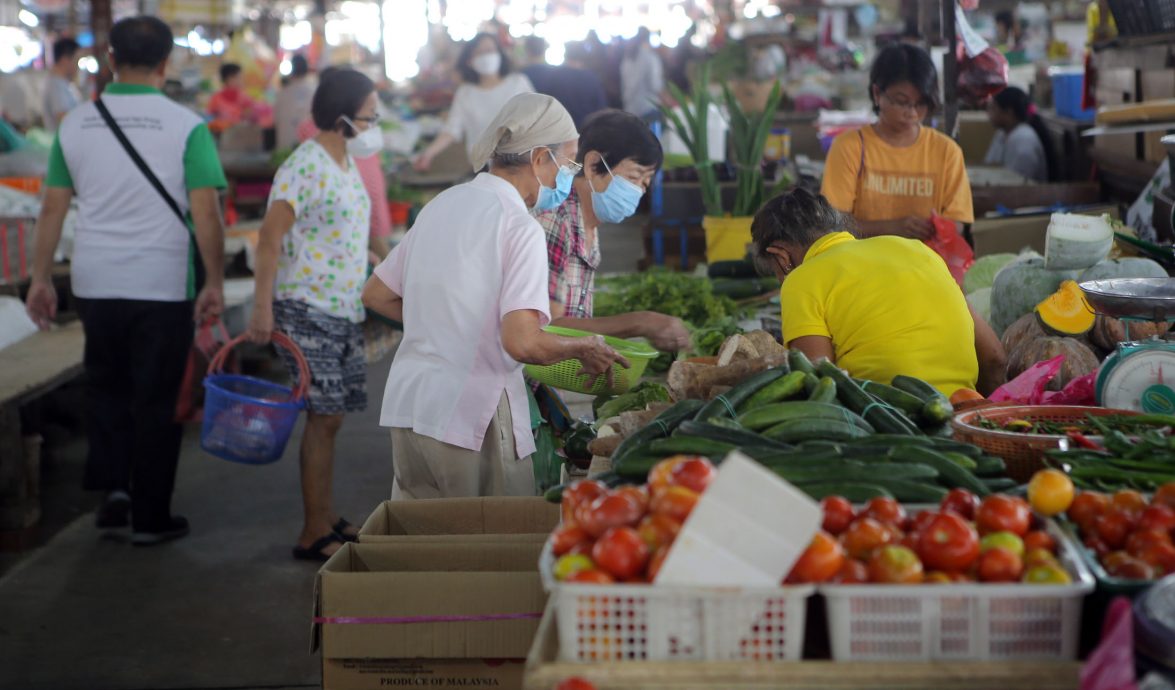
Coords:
369,120
572,165
904,104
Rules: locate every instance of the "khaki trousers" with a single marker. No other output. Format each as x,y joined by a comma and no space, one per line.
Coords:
427,468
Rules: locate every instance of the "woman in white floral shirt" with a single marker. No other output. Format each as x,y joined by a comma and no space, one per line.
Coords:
310,270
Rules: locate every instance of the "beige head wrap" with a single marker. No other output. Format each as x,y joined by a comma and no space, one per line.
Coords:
526,121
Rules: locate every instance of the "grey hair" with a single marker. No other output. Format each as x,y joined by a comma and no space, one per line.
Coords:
516,160
798,217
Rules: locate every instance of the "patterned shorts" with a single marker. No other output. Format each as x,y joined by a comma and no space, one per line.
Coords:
333,348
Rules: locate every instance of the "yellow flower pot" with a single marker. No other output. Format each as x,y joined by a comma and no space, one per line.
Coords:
727,237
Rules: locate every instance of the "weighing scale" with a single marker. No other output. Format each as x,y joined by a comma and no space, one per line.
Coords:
1138,375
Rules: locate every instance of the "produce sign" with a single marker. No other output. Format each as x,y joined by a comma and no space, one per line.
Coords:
1130,537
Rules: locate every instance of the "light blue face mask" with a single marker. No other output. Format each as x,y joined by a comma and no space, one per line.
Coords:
553,198
618,200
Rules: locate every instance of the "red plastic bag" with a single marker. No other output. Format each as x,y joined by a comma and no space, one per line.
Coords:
1111,665
982,76
1079,391
1028,387
210,337
950,245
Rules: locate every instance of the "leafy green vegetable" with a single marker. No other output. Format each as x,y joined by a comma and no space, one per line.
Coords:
637,398
706,341
689,298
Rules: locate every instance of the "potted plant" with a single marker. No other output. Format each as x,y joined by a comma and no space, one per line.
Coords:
728,232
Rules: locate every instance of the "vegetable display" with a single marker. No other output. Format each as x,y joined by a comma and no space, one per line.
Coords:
1090,426
1129,537
1141,459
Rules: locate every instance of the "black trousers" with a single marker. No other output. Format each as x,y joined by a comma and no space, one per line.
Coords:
136,352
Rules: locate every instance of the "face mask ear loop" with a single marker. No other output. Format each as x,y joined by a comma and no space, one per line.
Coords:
590,185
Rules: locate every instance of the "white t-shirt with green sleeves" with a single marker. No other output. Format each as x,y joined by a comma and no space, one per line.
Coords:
323,261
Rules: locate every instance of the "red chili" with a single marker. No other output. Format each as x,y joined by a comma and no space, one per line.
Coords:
1082,440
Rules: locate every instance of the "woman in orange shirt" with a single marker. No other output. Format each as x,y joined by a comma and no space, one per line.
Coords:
892,176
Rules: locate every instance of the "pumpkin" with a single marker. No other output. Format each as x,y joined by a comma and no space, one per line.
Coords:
1079,359
1066,312
1026,329
1108,332
1129,267
1019,287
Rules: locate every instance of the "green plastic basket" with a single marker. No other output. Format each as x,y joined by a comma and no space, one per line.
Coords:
564,375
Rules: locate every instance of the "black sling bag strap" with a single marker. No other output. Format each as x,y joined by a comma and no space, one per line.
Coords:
194,262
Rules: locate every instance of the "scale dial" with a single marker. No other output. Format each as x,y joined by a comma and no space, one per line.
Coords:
1142,380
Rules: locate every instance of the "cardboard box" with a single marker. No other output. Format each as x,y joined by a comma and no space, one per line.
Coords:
378,614
1015,233
461,518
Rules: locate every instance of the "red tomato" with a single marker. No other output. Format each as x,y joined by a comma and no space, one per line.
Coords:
1157,517
591,577
820,561
1142,540
661,474
583,547
886,511
608,511
1129,500
656,562
916,524
1165,495
838,514
1000,565
575,684
1095,544
999,513
937,577
1039,539
948,543
658,530
1161,557
1112,559
1086,508
676,502
579,493
694,474
637,494
1130,568
565,538
895,565
621,552
852,572
1113,527
865,535
961,502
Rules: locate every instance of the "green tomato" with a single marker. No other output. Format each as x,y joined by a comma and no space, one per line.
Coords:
1047,575
1007,540
572,563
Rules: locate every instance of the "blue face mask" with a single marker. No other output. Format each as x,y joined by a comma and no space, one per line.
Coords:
618,200
553,198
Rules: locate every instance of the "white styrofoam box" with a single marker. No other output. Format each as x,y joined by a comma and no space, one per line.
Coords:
15,324
748,529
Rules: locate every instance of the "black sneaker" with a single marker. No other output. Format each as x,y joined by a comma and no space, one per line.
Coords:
115,511
176,528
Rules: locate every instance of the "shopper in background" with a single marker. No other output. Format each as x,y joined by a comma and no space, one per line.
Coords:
576,89
893,175
292,107
620,155
488,85
133,272
61,91
469,283
1021,142
642,77
310,266
231,105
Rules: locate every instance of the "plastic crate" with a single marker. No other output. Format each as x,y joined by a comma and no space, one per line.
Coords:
647,623
961,621
1068,88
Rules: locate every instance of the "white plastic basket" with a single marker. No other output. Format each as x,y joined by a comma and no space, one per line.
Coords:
648,623
960,621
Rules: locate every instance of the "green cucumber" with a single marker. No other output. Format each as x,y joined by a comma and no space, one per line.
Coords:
861,402
818,474
891,440
1000,484
990,466
900,399
780,389
777,413
857,492
724,422
810,383
961,460
690,445
937,408
950,473
821,444
825,391
725,404
800,362
912,491
663,425
904,470
796,457
638,463
797,430
739,436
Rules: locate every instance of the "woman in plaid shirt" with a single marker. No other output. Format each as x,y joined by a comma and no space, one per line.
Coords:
620,155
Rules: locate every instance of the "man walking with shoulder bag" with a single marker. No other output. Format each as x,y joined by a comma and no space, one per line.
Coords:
145,173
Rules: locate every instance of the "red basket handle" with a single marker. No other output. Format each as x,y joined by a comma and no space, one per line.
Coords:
216,366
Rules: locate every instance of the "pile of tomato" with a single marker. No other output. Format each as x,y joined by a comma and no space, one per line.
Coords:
998,539
1131,537
623,535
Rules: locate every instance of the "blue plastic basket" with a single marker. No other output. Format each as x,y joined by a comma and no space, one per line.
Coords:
1068,87
246,419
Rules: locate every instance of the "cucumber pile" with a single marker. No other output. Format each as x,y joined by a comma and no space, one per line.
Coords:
824,432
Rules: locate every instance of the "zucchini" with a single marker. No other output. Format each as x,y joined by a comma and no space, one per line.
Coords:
818,474
990,466
947,444
891,440
811,457
638,464
959,459
737,436
1000,484
810,383
731,269
662,426
912,491
825,391
861,402
950,473
904,471
857,492
724,422
915,386
900,399
779,389
690,445
797,430
800,362
821,444
936,408
724,405
777,413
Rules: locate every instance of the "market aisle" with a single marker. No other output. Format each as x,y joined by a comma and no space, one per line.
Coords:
224,608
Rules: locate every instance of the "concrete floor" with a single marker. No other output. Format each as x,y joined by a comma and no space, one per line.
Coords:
227,607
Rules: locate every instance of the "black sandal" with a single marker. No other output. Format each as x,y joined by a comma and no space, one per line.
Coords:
314,551
341,525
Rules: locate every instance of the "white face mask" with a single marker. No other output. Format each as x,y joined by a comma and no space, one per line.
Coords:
366,143
487,64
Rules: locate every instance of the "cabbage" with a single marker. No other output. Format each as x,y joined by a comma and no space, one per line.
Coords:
982,272
980,301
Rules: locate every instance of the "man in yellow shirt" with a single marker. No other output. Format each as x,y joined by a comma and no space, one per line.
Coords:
878,307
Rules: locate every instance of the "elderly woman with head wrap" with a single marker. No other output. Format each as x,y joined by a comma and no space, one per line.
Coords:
469,282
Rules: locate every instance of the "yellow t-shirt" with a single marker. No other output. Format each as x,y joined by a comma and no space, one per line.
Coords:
897,182
890,307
